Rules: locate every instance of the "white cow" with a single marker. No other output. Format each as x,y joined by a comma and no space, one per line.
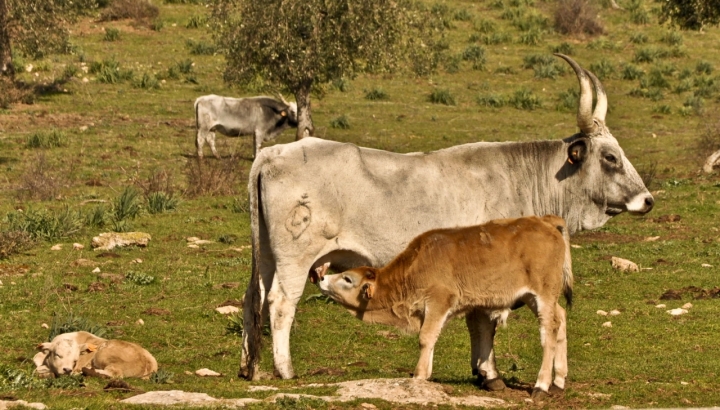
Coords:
316,201
262,117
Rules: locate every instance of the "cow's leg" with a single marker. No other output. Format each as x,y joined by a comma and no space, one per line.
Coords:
482,336
549,327
282,302
561,365
257,142
211,141
434,319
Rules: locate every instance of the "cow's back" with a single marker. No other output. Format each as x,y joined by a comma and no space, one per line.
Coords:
131,358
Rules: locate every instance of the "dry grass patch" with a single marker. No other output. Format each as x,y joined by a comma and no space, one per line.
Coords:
138,10
13,242
41,180
577,17
213,177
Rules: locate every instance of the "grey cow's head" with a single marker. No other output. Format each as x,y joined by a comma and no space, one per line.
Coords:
596,156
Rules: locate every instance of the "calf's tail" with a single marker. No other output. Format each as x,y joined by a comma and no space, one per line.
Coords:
253,297
567,277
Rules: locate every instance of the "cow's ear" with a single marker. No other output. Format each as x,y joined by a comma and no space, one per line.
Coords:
44,347
368,291
370,273
87,348
577,151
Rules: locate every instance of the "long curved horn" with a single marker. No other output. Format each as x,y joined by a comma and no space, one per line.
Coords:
602,104
283,99
584,116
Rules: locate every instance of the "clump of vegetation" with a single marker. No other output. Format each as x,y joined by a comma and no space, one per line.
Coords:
160,202
126,205
234,325
220,177
45,224
492,100
662,109
15,379
486,26
563,48
476,55
376,94
709,140
157,25
200,47
108,71
73,323
577,17
496,38
452,64
111,34
531,37
683,86
525,99
162,376
631,72
140,279
603,69
41,180
14,242
138,10
98,217
639,38
704,67
185,66
462,15
442,96
568,100
672,38
544,65
504,70
147,81
54,138
196,21
342,122
649,55
341,84
240,205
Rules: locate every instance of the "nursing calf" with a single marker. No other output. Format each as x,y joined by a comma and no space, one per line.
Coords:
480,271
83,352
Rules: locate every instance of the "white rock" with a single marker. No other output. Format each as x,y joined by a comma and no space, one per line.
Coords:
651,238
192,239
78,247
56,247
660,306
227,310
607,324
202,242
4,404
110,240
192,245
96,270
85,80
624,265
677,312
205,372
687,305
576,246
45,326
706,265
137,260
83,128
602,313
684,383
140,322
614,312
29,68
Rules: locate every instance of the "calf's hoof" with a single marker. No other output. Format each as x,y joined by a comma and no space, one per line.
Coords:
496,384
556,391
538,394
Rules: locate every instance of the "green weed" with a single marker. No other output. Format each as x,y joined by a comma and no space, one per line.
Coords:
45,224
525,99
197,21
341,84
442,96
662,109
98,217
111,34
704,67
140,279
563,48
157,25
603,69
14,242
240,205
147,81
533,37
52,139
485,26
496,38
492,100
162,376
200,47
342,122
462,15
126,205
631,72
376,94
568,100
71,322
160,202
672,38
639,38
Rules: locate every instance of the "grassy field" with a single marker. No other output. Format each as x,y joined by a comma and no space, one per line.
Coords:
62,156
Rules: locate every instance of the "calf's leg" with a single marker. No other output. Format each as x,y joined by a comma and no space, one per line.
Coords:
549,326
482,361
561,366
434,318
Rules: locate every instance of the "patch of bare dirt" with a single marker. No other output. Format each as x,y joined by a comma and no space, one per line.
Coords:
13,270
156,312
667,218
695,292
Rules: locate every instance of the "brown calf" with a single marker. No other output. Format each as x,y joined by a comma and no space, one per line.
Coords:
481,272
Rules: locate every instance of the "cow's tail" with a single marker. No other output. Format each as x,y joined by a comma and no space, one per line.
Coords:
253,296
197,122
567,275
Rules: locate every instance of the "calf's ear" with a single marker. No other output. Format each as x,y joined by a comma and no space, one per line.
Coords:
87,348
44,347
577,151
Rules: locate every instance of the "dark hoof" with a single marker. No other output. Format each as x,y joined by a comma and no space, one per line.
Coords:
475,372
494,384
556,391
538,394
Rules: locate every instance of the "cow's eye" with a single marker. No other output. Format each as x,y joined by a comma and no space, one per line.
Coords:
610,158
347,279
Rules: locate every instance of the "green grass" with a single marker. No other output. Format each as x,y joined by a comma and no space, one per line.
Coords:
116,133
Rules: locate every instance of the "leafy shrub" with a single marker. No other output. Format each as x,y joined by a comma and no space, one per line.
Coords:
16,379
683,86
220,177
52,139
476,55
13,242
185,66
45,224
129,9
525,99
162,377
631,72
563,48
147,81
98,217
533,60
547,71
376,94
705,87
655,79
640,16
108,71
649,55
72,323
603,69
638,38
442,96
695,103
575,17
341,84
342,122
492,100
196,22
139,278
685,73
111,34
126,205
200,47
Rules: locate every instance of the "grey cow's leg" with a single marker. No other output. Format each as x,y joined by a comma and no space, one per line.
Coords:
482,336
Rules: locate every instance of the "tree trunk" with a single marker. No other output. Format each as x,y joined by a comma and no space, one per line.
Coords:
6,66
302,96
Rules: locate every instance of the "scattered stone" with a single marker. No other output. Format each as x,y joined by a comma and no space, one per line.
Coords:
96,270
45,326
110,240
687,305
137,260
78,246
86,263
602,313
192,239
607,324
624,265
684,383
614,312
7,404
706,265
168,398
227,310
56,247
660,306
711,162
576,246
368,406
192,245
261,388
205,372
651,238
140,322
678,311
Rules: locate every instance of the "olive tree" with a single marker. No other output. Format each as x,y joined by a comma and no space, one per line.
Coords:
301,46
691,14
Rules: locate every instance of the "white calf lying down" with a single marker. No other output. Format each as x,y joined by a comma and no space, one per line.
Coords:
83,352
481,272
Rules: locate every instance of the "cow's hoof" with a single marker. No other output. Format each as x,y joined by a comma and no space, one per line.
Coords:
556,391
538,394
475,372
496,384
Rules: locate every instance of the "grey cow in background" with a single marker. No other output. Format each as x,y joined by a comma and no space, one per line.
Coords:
262,117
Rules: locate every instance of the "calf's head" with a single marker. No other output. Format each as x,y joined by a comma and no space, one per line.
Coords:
60,356
352,288
595,156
